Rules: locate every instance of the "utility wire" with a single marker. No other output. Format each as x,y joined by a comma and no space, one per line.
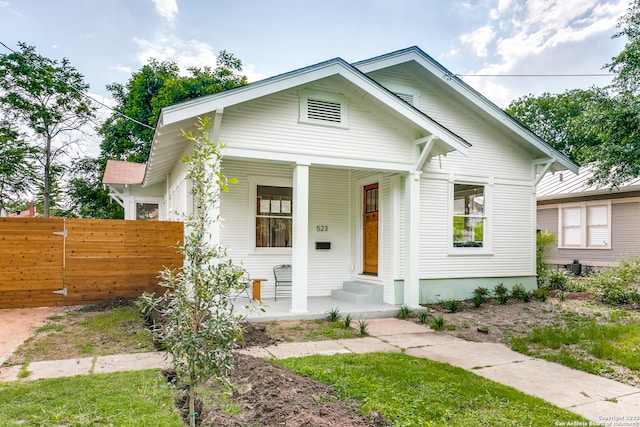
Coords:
535,75
81,93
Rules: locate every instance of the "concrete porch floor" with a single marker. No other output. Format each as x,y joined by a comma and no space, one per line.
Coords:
318,308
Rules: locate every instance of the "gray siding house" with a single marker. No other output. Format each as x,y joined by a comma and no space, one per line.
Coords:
594,225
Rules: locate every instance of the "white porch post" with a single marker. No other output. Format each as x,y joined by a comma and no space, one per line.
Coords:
300,255
412,250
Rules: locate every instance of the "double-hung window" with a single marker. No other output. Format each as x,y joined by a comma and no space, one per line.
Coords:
469,216
274,216
585,225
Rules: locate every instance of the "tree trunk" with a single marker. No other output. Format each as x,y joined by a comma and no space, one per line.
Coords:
47,179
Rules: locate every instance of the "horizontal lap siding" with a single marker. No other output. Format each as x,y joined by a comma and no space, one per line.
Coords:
328,206
625,236
272,125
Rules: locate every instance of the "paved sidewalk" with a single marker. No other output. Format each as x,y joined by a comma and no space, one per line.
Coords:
595,398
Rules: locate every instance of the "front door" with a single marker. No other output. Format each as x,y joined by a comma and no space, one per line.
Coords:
370,230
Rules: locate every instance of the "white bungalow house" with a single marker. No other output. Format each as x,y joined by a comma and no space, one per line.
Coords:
390,172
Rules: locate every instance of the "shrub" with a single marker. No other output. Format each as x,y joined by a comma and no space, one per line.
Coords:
502,293
346,322
520,293
540,294
404,313
363,327
544,241
480,295
452,305
333,315
438,323
423,317
556,279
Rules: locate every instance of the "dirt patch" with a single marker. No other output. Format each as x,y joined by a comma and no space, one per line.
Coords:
269,395
18,324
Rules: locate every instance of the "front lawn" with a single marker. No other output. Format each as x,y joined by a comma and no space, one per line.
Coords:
139,398
419,392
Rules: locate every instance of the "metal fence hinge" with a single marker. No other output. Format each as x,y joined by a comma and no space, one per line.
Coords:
61,292
61,233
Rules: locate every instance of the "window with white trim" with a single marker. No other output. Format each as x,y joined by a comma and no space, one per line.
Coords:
585,225
274,216
324,108
469,215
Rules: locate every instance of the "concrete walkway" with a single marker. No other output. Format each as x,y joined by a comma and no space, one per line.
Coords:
598,399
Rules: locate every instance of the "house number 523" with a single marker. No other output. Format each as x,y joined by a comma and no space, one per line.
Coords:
322,228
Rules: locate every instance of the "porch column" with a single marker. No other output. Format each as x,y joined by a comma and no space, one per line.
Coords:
300,252
412,250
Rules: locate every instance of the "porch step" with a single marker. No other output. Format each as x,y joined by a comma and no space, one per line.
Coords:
359,293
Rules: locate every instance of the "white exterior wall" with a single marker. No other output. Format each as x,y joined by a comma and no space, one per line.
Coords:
328,206
492,160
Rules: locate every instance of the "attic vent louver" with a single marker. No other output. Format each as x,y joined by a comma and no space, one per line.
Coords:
408,98
325,111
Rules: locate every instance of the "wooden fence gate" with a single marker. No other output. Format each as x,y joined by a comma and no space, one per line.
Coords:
58,261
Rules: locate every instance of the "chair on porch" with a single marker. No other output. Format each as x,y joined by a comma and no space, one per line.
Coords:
245,282
282,275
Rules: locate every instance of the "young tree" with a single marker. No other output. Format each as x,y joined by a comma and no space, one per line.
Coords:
47,97
201,325
17,173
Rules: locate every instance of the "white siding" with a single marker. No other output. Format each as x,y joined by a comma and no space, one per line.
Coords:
328,206
271,124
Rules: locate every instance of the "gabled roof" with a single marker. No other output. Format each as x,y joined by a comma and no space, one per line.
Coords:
119,172
459,89
569,186
164,152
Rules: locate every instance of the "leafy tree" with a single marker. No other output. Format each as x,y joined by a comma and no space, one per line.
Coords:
87,195
626,65
47,97
154,86
17,173
201,325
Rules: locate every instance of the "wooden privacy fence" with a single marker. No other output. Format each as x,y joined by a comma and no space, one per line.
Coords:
58,261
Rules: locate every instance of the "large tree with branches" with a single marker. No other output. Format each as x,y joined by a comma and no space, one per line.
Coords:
48,98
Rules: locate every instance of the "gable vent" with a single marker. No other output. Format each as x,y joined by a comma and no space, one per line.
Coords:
408,98
325,111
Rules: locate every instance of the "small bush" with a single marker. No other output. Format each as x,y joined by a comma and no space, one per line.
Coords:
333,315
404,313
438,323
363,327
502,293
556,279
480,296
452,305
540,294
520,293
346,322
423,317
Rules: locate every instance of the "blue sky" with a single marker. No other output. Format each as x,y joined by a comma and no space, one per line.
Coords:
106,40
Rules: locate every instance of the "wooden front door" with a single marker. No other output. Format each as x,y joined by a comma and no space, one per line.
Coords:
370,230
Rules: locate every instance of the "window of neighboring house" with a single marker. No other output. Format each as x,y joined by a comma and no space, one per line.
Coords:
324,108
147,211
274,216
469,217
585,225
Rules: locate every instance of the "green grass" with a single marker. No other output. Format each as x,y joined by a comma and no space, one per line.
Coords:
331,331
576,339
140,398
419,392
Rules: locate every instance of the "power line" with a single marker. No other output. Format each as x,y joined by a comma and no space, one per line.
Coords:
81,93
536,75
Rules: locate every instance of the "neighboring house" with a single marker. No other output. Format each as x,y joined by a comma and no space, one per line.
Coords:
29,213
391,172
593,225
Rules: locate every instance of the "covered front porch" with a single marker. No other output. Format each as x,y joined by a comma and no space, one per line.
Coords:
317,308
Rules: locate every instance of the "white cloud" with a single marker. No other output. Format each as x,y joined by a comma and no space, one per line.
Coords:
4,3
167,9
480,39
122,69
